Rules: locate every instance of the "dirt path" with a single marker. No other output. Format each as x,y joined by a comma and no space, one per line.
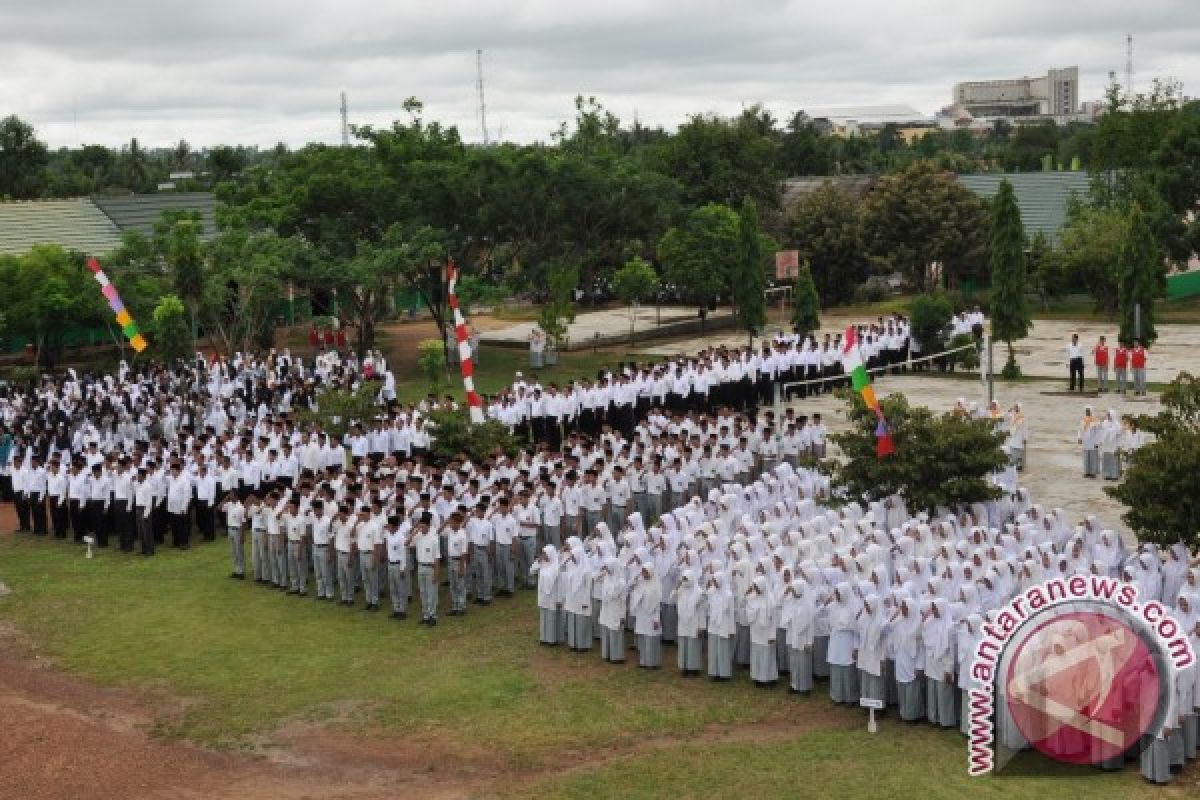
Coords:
64,737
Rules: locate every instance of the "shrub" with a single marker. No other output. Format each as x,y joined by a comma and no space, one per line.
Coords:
432,362
455,436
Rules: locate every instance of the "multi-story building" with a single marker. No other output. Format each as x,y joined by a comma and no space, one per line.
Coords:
1056,94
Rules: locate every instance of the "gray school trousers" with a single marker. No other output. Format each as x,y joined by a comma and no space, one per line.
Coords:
323,571
398,587
481,573
345,568
236,550
429,591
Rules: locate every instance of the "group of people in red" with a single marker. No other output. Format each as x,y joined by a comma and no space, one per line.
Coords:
328,337
1128,365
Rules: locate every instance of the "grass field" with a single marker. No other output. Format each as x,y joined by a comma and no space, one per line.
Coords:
230,662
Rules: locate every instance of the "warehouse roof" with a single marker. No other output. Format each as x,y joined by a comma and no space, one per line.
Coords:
76,224
1042,197
139,212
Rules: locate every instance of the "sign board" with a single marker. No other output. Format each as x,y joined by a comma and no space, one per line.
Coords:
868,702
787,265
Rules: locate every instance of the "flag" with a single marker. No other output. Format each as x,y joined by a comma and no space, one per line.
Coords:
868,396
884,446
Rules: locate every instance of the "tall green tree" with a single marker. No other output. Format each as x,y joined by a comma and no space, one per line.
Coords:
1159,486
177,238
1090,245
941,461
22,159
805,303
749,286
633,283
1045,269
1143,279
826,227
922,216
702,255
1010,311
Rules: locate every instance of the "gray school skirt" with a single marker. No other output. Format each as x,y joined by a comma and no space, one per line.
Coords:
690,651
763,663
548,625
612,644
800,669
720,656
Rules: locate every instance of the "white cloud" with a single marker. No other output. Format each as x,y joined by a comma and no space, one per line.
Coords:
264,71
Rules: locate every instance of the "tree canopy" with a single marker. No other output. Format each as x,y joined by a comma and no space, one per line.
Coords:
1010,311
1159,487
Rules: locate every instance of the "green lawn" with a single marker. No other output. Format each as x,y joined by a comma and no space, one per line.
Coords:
233,661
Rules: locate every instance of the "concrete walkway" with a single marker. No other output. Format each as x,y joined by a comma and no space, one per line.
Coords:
611,326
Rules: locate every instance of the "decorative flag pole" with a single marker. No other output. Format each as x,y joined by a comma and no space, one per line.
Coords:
852,365
124,319
474,401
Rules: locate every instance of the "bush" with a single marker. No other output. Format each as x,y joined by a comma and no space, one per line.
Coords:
870,292
22,376
455,436
338,410
967,359
929,317
172,332
968,301
473,291
432,363
1011,371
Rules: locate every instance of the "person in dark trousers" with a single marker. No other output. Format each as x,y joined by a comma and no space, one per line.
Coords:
1075,362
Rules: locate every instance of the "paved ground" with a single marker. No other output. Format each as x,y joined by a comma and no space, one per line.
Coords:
608,324
1041,354
1053,473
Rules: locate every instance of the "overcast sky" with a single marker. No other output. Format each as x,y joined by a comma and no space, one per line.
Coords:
262,71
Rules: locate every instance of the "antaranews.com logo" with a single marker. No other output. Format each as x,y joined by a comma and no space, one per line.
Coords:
1078,668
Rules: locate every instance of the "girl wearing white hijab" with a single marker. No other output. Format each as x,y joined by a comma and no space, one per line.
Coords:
614,594
760,612
1110,442
549,595
937,637
843,640
690,604
576,577
1174,572
970,634
721,624
1089,438
904,634
871,647
645,604
797,618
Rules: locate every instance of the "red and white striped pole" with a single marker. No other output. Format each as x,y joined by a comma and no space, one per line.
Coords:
466,363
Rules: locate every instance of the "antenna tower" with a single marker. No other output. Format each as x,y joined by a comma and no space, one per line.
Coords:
1129,64
479,90
345,123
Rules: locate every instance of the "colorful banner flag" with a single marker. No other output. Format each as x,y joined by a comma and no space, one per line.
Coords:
852,365
124,319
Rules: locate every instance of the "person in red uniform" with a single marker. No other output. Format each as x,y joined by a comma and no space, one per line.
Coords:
314,337
1137,360
341,339
1100,357
329,338
1121,366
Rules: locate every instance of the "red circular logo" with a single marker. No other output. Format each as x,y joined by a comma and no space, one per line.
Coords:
1084,687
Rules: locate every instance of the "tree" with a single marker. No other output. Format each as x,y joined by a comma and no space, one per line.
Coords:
1090,245
171,328
805,304
921,217
1159,486
826,227
558,310
1045,269
633,283
1142,279
941,461
47,291
22,159
245,287
177,239
701,256
749,282
1010,312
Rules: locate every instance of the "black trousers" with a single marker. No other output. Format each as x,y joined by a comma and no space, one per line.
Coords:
37,513
97,522
123,525
21,501
59,515
159,522
1076,369
206,520
180,529
145,529
78,514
